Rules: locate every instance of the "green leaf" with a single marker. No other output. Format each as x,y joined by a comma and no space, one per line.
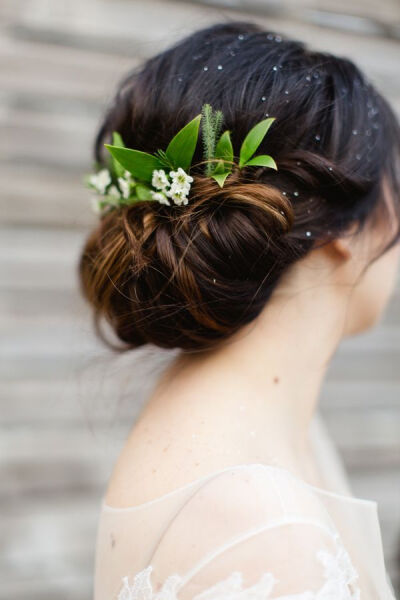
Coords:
224,150
181,148
219,167
218,119
211,125
220,173
133,199
111,200
207,133
253,139
164,158
263,160
220,177
139,164
143,192
117,139
117,168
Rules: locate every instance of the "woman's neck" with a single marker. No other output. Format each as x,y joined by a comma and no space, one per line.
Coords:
255,395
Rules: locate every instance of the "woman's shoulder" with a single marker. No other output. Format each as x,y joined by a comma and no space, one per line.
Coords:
163,453
249,493
254,518
154,463
249,529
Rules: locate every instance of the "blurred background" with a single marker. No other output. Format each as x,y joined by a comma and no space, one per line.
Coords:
66,403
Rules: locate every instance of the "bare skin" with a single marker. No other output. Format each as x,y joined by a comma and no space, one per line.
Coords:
252,398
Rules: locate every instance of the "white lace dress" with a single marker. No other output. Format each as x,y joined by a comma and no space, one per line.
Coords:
246,532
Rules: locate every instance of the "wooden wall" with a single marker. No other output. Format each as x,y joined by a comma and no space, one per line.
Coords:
65,402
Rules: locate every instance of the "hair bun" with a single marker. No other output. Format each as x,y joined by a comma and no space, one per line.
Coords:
275,210
187,277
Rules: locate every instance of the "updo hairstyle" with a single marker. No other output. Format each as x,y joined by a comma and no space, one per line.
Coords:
190,276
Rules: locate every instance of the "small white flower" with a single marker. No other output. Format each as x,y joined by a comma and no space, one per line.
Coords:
160,197
128,177
114,191
160,179
113,195
178,194
181,178
101,180
125,187
96,205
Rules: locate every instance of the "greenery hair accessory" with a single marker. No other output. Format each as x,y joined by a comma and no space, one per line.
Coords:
135,176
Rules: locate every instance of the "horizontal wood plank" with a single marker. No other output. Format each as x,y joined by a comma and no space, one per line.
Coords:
66,402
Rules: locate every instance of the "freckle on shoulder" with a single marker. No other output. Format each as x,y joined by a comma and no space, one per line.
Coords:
152,463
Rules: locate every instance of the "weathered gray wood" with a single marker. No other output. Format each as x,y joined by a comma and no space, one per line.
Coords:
66,403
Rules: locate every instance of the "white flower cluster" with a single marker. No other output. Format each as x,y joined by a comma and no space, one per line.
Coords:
101,183
108,194
177,189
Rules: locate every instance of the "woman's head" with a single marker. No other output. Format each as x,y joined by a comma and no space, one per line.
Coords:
190,276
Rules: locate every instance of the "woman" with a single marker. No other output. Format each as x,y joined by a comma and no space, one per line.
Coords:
221,490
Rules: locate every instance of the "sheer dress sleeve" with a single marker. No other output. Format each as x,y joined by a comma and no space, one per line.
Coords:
247,533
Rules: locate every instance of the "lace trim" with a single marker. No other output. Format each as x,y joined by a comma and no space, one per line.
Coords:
340,584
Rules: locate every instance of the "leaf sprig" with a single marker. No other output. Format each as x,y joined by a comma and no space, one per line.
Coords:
218,152
179,153
218,155
211,127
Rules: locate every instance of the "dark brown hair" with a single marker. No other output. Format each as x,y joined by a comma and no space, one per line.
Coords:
189,276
